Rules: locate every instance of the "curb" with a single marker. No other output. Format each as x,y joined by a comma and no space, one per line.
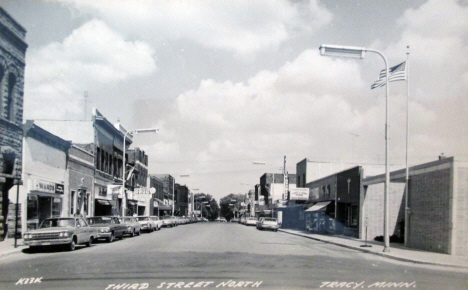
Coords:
374,253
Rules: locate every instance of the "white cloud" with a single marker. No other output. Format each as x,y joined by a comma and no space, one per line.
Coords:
57,74
241,26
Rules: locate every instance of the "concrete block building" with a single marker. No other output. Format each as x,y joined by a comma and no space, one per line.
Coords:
437,204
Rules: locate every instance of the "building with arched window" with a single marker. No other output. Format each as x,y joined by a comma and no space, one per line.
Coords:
12,63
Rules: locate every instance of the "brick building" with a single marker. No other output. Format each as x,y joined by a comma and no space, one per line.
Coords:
437,201
181,200
271,192
104,141
166,195
81,182
12,63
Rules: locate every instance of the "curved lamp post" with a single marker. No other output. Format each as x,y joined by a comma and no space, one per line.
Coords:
360,52
124,194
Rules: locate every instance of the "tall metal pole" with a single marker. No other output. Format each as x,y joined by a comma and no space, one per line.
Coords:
407,144
124,194
387,172
173,192
16,211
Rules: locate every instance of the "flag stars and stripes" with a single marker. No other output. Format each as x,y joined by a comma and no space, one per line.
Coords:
397,73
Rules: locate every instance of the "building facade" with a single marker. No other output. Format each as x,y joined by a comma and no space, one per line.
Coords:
167,194
104,141
12,64
437,203
81,167
181,200
45,190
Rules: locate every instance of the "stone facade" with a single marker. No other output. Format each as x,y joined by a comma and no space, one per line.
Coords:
12,64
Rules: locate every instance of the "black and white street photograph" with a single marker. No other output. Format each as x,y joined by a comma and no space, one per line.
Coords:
220,144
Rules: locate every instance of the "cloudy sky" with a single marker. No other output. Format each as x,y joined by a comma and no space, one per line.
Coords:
232,82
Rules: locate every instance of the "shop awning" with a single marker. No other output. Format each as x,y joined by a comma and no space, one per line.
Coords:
103,201
133,202
165,207
318,206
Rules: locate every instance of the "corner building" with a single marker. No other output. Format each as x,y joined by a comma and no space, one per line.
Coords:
12,64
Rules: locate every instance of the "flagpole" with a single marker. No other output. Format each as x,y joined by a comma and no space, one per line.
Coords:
407,144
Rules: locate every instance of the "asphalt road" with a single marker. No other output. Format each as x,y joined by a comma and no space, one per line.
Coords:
217,255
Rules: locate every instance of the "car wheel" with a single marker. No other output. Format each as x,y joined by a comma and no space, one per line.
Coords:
133,233
72,245
111,238
139,232
90,242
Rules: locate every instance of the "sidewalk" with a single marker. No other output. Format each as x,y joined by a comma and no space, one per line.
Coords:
7,247
397,251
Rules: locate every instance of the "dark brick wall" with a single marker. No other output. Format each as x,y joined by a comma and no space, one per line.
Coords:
429,201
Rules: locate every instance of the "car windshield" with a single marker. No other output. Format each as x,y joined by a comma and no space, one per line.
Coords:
57,223
143,218
166,217
270,220
99,220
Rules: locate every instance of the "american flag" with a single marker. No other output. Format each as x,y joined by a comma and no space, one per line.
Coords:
397,73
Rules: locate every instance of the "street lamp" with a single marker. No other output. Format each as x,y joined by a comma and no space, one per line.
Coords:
124,195
360,52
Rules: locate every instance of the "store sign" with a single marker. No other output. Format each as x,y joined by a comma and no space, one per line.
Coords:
145,190
59,188
261,200
299,193
48,187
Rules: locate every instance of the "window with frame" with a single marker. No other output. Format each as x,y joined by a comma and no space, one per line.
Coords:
9,104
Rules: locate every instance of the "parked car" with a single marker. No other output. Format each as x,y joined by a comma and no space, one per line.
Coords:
157,223
234,220
133,226
222,220
108,227
259,221
269,224
243,220
146,223
251,221
168,221
67,232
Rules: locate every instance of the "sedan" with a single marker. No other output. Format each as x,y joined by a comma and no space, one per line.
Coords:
168,221
67,232
269,224
145,223
251,221
133,226
108,227
157,223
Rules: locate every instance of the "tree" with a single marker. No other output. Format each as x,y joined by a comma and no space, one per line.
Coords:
210,208
230,204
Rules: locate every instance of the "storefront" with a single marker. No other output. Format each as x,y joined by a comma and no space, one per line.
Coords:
44,201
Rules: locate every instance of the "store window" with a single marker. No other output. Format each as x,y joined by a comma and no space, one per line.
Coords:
56,207
72,203
86,204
